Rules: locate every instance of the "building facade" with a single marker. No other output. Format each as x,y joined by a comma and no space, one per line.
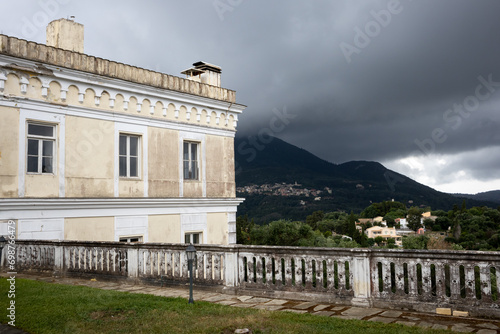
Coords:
384,232
92,149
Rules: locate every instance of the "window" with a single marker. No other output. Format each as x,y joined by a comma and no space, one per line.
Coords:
41,148
190,161
129,156
131,239
192,238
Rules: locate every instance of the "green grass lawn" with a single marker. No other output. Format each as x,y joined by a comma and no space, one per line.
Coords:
55,308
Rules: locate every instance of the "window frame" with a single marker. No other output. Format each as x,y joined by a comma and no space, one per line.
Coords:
128,155
139,238
189,161
191,238
41,139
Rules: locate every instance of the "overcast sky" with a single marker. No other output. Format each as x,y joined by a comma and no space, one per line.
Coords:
414,85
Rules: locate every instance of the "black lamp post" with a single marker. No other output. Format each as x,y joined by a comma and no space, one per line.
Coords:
3,241
191,253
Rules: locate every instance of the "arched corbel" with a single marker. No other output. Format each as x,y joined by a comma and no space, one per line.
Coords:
235,121
23,82
45,86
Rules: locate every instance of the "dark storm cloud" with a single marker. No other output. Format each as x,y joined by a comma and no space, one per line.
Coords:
377,103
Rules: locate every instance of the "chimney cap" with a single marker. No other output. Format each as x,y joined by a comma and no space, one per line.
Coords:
201,65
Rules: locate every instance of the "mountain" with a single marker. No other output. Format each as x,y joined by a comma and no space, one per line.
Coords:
492,196
353,185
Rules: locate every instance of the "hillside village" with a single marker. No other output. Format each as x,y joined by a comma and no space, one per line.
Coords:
283,189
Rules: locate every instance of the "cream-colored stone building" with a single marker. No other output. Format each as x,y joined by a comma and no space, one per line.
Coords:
384,232
92,149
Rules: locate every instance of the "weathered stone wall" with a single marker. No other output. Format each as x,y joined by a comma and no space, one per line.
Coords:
398,279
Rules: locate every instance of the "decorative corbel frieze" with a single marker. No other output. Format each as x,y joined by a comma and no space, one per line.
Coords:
217,118
198,116
112,101
125,104
139,105
176,113
209,114
152,108
188,114
164,111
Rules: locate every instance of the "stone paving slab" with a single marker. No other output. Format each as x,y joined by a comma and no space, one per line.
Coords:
361,312
462,329
305,306
324,313
246,305
320,307
406,323
486,331
438,326
277,302
488,325
227,302
294,311
391,314
243,298
382,319
258,300
269,307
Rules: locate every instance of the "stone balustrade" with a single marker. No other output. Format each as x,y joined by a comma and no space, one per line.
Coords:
388,278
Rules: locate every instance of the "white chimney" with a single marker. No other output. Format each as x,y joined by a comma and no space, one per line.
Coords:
205,73
65,34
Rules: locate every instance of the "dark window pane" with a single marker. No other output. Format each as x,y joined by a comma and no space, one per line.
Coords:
186,239
133,167
47,165
186,151
186,169
48,148
33,164
194,150
134,144
123,145
194,170
40,130
32,147
196,238
123,166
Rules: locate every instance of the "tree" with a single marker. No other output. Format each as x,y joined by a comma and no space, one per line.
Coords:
314,218
351,226
415,242
414,218
243,230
